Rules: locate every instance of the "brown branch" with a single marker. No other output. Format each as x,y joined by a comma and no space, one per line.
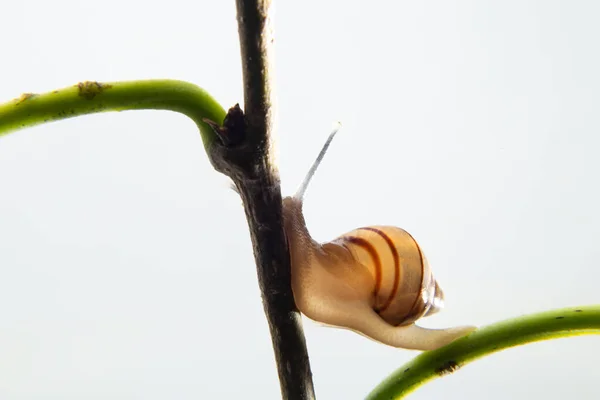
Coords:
243,153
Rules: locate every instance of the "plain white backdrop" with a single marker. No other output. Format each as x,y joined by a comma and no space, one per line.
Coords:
126,270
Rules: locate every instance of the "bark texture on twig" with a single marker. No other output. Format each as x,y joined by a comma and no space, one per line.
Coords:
243,153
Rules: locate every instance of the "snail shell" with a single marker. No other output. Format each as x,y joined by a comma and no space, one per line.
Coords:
403,287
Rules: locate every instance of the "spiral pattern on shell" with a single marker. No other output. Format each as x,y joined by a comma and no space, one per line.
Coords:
403,286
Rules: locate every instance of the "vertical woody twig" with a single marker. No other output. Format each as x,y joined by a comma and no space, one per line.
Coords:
243,153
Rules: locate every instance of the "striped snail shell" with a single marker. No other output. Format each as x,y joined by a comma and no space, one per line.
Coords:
404,289
374,280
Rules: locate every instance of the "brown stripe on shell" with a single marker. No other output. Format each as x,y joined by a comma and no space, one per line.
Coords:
418,305
373,253
396,258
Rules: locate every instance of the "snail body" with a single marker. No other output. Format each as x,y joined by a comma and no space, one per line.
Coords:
373,280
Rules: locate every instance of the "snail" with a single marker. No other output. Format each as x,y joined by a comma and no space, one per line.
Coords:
374,280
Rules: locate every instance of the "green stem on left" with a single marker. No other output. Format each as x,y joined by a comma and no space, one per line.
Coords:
93,97
490,339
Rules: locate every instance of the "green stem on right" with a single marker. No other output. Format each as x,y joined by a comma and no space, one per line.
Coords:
487,340
93,97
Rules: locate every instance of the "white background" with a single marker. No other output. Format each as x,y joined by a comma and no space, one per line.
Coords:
126,270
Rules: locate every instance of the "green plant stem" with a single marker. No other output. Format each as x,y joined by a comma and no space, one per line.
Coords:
487,340
93,97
